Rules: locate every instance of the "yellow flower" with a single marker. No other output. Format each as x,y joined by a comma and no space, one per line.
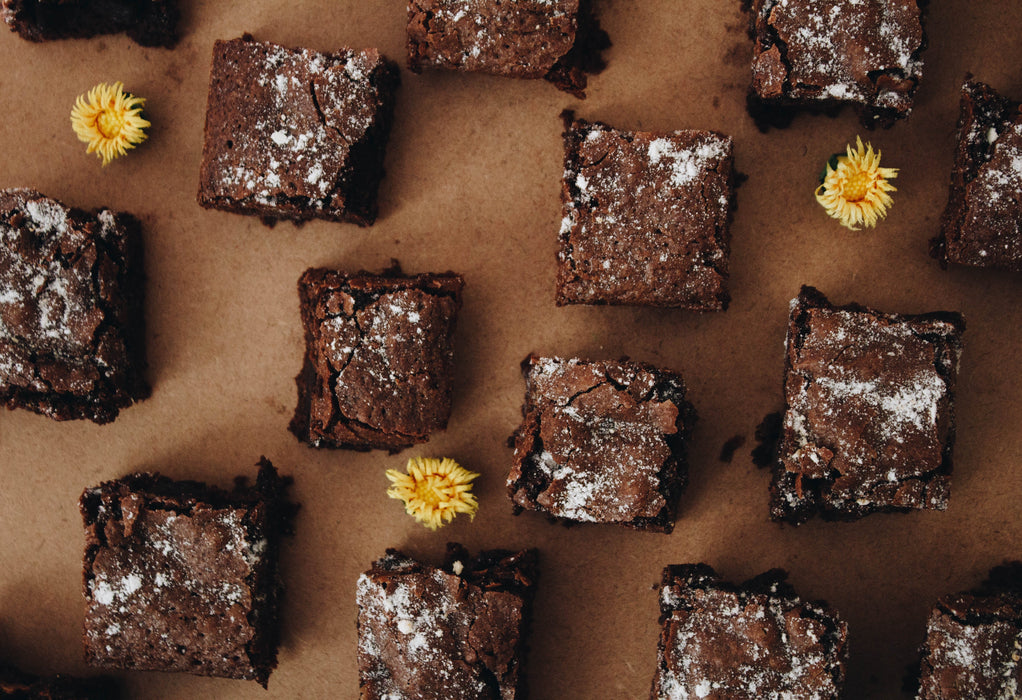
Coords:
434,490
109,120
855,187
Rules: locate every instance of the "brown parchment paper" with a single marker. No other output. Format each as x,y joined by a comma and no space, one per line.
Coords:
472,185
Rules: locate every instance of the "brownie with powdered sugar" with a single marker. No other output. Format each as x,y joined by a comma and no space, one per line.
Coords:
601,442
982,220
454,632
817,56
869,420
974,641
379,357
745,642
72,337
182,576
295,134
556,40
646,217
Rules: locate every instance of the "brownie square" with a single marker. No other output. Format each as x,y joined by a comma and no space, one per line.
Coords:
980,226
72,339
181,576
147,22
601,442
379,358
557,40
973,641
646,217
295,134
869,411
817,55
751,641
450,633
17,684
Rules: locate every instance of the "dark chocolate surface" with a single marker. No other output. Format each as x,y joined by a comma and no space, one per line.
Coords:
71,326
980,226
450,633
601,442
645,217
974,641
809,53
180,576
869,411
295,134
558,40
148,22
379,358
757,640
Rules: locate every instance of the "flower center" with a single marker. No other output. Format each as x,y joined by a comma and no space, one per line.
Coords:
856,186
109,123
429,490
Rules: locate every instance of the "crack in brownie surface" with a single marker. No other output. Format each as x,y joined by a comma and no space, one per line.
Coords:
601,442
869,419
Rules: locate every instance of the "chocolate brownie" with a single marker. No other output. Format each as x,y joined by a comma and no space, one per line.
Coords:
756,640
295,134
379,357
17,685
601,442
869,411
817,55
72,340
181,576
148,22
646,217
980,225
974,641
450,633
558,40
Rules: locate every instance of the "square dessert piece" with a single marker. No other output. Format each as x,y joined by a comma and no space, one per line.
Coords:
72,337
147,22
757,640
294,134
646,217
980,226
379,358
973,641
558,40
816,55
601,442
450,633
181,576
869,416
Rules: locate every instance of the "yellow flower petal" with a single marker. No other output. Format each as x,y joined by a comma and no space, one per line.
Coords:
855,192
109,120
434,490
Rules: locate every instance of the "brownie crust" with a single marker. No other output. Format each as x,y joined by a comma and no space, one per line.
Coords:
816,56
757,640
869,411
973,640
293,134
147,22
980,226
451,633
72,336
557,40
601,441
181,576
379,357
646,217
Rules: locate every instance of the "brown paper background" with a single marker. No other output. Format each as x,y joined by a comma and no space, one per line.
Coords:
472,185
